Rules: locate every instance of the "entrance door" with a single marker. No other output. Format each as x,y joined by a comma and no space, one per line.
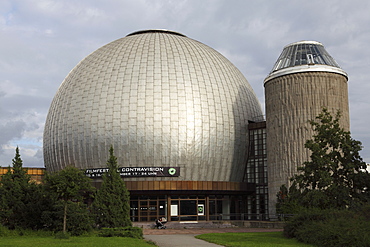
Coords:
146,208
190,208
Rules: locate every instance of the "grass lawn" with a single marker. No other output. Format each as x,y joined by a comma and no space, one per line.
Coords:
33,241
255,239
261,239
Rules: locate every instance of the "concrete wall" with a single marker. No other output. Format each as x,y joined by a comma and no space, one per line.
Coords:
292,100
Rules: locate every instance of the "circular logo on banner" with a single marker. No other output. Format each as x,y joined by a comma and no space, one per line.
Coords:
172,171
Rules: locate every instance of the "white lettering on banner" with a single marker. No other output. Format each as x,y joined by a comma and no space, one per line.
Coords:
141,169
99,170
136,172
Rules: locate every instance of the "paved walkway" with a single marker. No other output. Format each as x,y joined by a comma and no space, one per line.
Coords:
178,240
185,237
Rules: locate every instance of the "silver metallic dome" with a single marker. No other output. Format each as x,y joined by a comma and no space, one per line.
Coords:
304,56
161,99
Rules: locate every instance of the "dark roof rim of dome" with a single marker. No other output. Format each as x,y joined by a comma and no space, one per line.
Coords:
156,31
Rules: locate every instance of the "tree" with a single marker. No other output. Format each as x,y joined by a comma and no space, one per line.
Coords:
15,193
336,175
68,185
37,202
111,205
79,217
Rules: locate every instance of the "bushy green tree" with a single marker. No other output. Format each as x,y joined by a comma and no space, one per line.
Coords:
331,227
15,189
68,186
286,203
335,176
112,203
79,217
37,203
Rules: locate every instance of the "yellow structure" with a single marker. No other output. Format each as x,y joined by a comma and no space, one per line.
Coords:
37,174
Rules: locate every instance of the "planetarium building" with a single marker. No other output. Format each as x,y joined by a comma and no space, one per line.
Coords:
186,127
176,113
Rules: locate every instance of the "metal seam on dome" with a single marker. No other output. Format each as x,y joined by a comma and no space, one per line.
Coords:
156,31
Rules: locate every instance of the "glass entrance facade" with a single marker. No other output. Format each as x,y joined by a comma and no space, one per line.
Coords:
189,207
147,208
256,172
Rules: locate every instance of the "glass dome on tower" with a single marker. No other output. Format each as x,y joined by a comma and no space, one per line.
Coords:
304,56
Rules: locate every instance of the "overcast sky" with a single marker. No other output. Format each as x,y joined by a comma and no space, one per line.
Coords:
42,40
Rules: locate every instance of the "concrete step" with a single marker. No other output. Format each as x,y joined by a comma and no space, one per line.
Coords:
186,224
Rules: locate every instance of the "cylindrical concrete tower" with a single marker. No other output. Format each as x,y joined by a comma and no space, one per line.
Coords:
304,79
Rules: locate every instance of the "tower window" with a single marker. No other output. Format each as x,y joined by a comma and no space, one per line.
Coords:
310,59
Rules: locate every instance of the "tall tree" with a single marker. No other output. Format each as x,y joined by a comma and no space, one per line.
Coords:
69,184
14,190
112,203
336,175
19,173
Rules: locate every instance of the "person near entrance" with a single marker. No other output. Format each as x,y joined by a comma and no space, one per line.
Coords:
159,223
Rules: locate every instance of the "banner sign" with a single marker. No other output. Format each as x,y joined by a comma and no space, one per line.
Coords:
136,172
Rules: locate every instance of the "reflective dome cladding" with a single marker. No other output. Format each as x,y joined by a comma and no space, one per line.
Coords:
161,99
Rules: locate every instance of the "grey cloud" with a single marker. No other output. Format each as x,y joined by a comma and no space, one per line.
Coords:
27,104
11,130
39,154
7,155
42,41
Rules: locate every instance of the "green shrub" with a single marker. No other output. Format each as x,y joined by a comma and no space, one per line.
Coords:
79,220
334,232
301,219
62,235
330,228
129,231
4,231
35,233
